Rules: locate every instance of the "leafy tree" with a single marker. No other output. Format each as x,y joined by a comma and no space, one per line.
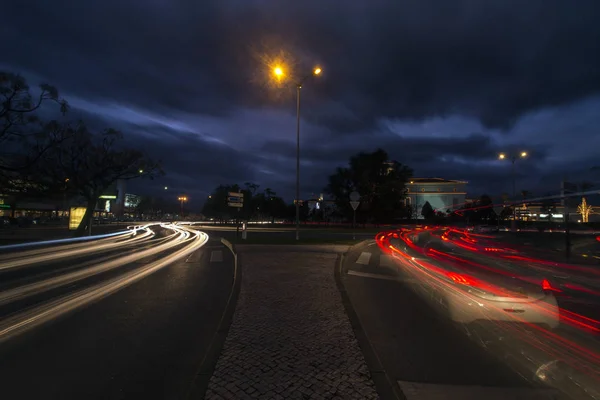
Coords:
216,205
485,209
506,213
380,183
24,138
89,164
257,205
427,211
251,187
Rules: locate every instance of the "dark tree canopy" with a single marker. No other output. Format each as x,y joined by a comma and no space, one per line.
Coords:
427,211
88,164
380,183
265,205
24,137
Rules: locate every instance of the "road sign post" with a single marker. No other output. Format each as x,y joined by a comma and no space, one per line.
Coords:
354,202
236,199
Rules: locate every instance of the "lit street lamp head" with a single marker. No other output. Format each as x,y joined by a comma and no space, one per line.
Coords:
278,71
141,171
523,154
501,156
317,71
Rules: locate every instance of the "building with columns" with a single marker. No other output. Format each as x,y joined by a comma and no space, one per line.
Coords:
442,194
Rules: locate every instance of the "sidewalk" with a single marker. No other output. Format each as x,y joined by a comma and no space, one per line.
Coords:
290,337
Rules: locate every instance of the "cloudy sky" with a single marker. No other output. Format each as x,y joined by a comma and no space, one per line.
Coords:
443,86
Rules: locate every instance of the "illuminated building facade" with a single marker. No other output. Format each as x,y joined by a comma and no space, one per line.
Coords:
442,194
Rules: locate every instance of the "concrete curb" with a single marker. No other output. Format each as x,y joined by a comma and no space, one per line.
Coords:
386,388
207,365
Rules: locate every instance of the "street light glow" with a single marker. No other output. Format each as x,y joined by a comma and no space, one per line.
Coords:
524,154
141,171
317,71
182,198
166,187
278,71
502,156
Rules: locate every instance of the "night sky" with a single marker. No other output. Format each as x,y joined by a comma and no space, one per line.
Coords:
442,85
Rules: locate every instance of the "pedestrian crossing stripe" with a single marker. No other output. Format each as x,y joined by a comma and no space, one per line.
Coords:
364,258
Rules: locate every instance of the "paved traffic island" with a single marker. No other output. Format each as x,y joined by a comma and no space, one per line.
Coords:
290,337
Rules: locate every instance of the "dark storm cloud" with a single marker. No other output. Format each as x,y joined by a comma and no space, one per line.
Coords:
408,151
492,60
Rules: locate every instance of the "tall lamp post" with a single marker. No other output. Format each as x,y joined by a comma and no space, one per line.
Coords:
279,73
513,158
182,199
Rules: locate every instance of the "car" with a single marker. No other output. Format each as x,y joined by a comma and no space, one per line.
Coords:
468,292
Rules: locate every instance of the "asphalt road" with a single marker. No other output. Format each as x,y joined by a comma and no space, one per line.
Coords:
145,340
413,342
419,348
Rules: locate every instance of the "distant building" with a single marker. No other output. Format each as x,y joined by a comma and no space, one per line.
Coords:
442,194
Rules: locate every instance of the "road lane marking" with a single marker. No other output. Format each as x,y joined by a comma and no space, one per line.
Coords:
381,276
364,258
428,391
216,256
369,275
387,260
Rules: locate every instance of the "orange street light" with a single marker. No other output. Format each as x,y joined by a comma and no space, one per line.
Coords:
513,158
182,199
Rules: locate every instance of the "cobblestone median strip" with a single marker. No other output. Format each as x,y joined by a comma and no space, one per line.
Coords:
290,337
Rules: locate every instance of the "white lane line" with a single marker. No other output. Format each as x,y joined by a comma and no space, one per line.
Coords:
369,275
381,276
216,256
385,260
364,258
428,391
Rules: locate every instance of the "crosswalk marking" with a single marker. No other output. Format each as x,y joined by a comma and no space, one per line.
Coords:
369,275
364,258
402,279
216,256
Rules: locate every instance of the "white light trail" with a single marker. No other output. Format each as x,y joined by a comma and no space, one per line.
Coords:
16,324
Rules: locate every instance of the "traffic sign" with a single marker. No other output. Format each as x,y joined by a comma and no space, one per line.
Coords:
240,205
235,194
354,204
354,196
498,209
235,199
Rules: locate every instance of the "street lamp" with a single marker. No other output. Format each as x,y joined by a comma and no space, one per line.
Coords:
166,188
278,71
182,199
513,158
